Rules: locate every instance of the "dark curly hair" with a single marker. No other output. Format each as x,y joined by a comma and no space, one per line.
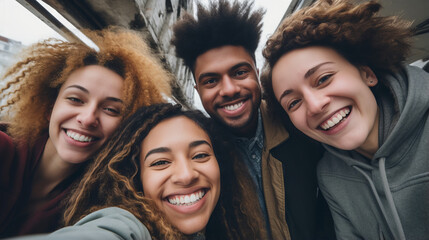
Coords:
222,23
355,31
114,179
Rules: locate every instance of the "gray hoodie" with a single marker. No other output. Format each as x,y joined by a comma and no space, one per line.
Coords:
106,224
110,223
386,197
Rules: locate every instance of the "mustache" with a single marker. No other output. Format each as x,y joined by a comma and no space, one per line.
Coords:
226,99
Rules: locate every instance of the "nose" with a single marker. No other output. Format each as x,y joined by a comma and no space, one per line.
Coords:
316,102
184,172
88,117
229,87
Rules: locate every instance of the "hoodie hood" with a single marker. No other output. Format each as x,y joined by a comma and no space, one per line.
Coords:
411,105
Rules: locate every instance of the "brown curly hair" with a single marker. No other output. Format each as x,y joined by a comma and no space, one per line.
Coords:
114,179
355,31
33,83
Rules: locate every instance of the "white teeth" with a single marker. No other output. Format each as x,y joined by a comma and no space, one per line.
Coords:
79,137
186,199
233,107
193,198
335,119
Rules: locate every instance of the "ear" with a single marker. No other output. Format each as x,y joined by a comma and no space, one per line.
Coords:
368,76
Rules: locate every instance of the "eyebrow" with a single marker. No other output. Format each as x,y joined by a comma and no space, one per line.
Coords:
78,87
212,74
197,143
209,74
312,70
308,74
87,92
166,149
284,94
157,150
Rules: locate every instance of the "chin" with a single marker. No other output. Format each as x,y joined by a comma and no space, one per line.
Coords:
189,231
76,160
190,227
346,146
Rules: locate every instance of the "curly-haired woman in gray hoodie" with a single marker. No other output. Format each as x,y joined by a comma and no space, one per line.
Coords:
336,70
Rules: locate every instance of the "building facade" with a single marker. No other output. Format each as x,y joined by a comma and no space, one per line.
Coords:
8,50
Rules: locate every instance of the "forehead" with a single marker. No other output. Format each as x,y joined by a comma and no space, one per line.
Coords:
299,61
222,59
173,131
94,74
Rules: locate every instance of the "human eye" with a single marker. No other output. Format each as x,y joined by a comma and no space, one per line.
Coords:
74,100
159,163
112,111
293,104
210,82
324,79
241,73
201,156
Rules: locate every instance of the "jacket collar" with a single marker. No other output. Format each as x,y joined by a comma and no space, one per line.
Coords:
275,133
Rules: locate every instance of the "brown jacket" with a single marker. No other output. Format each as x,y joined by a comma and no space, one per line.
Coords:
295,209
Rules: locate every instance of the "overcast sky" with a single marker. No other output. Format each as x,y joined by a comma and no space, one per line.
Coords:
17,23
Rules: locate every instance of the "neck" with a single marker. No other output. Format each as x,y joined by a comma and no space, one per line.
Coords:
370,146
249,130
50,171
197,236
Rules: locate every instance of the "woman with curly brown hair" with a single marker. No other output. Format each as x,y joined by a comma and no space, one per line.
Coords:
173,170
62,101
337,71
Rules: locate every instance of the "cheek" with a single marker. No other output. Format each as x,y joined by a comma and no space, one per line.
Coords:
149,184
214,173
207,94
254,84
111,125
208,97
372,106
257,91
299,120
57,111
58,115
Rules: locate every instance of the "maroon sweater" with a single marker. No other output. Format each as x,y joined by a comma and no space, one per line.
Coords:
17,168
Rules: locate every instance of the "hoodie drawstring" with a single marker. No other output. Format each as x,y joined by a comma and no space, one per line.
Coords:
398,232
382,169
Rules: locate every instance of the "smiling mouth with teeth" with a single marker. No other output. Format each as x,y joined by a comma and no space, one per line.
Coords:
79,137
186,200
335,119
233,106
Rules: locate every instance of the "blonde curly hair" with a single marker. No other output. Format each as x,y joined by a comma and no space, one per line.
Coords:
32,84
